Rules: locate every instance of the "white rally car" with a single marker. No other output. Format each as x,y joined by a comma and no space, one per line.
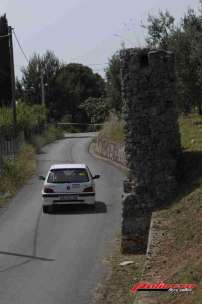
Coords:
68,183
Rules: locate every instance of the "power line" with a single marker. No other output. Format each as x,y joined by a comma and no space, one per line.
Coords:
20,46
26,57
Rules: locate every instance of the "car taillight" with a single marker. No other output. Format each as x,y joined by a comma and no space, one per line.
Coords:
48,190
89,189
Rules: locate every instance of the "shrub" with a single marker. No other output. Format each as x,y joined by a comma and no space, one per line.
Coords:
28,117
52,133
17,171
113,129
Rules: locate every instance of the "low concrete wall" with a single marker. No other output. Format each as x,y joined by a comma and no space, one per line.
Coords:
111,150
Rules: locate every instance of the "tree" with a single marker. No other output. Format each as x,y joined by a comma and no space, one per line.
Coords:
96,109
5,68
114,83
49,65
185,41
159,28
75,83
192,27
66,86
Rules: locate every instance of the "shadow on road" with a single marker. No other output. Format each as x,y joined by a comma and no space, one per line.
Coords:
32,257
29,257
100,207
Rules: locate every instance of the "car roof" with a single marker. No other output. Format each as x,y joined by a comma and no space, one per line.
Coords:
68,166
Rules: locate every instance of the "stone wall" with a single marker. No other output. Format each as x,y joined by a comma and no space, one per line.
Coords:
152,139
111,150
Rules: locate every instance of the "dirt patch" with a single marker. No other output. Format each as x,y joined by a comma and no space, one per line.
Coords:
176,257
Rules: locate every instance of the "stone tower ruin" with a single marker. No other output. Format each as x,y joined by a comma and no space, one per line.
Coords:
152,143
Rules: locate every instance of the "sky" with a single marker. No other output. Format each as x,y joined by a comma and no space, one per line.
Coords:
83,31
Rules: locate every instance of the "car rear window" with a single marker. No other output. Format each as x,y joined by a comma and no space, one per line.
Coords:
68,176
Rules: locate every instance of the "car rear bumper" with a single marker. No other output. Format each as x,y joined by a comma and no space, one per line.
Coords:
82,198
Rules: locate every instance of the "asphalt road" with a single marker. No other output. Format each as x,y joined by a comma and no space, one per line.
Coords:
58,258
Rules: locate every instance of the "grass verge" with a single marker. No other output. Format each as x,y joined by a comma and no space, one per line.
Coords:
113,129
177,257
16,172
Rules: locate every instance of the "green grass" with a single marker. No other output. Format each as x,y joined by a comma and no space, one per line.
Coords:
191,132
190,129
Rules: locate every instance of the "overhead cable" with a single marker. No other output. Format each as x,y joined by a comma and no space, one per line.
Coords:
21,48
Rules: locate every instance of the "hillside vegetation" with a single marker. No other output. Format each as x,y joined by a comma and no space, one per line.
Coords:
113,129
177,257
18,170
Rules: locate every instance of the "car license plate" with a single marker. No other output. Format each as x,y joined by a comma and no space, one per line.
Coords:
68,197
76,186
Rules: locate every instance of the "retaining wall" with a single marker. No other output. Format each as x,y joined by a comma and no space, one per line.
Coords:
111,150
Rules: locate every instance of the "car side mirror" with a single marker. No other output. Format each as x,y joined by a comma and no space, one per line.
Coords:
42,178
96,176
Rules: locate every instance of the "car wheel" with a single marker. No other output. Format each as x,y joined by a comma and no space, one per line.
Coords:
93,205
44,209
47,209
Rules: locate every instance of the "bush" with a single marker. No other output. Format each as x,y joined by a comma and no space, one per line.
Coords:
71,128
113,129
50,134
17,171
38,142
29,118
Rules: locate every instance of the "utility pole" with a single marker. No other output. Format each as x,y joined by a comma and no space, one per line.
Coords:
10,32
42,90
